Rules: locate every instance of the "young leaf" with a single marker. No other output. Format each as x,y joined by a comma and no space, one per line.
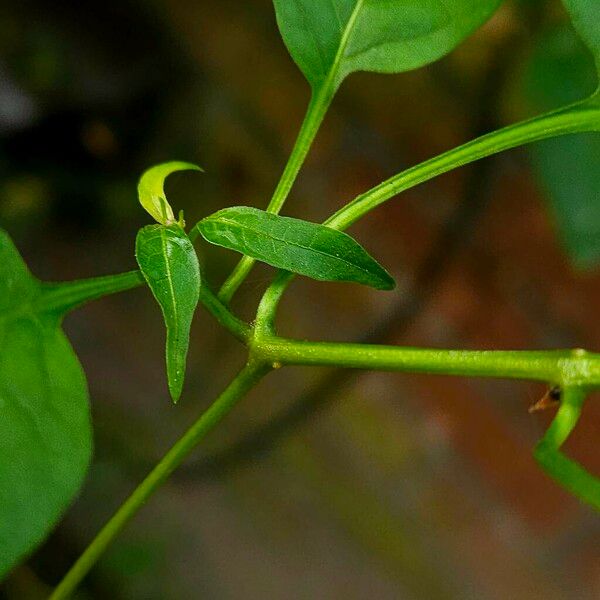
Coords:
170,266
151,193
329,39
560,72
585,15
294,245
45,436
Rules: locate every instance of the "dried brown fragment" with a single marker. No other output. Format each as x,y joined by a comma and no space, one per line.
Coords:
549,399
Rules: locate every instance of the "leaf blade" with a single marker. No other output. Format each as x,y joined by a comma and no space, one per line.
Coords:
306,248
170,267
45,431
329,39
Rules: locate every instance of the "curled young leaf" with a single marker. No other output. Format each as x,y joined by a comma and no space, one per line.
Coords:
151,190
45,434
294,245
170,266
329,39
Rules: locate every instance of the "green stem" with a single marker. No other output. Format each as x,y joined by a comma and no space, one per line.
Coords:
565,471
239,387
66,296
238,328
565,367
315,113
61,298
576,118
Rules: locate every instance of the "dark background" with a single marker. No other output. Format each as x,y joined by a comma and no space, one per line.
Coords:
322,484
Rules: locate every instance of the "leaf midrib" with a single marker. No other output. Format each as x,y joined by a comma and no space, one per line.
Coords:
163,240
330,79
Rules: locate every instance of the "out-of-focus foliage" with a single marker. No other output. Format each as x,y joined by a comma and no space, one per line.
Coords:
45,435
561,71
585,15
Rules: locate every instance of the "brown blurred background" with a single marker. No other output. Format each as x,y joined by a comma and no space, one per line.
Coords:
322,484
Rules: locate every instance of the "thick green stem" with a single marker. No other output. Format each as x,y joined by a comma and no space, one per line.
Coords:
565,367
581,117
238,388
315,113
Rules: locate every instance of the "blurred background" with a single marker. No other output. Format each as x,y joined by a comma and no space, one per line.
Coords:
321,484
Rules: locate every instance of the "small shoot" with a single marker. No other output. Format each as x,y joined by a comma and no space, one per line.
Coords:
170,266
152,195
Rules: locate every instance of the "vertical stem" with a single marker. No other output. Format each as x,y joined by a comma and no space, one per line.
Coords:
239,387
319,103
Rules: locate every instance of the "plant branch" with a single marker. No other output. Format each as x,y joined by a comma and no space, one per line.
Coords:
315,113
580,117
576,118
238,328
455,234
564,367
62,297
561,468
65,296
237,389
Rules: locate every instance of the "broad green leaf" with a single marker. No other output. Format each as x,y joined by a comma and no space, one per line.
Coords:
45,436
562,71
151,190
329,39
294,245
170,266
585,15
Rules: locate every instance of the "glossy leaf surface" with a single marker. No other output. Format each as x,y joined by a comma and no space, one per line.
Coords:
45,436
151,190
561,72
329,39
294,245
170,266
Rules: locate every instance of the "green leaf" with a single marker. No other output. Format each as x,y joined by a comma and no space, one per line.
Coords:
585,15
151,190
294,245
45,436
329,39
560,72
170,266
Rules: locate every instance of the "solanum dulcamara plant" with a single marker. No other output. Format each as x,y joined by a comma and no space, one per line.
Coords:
45,431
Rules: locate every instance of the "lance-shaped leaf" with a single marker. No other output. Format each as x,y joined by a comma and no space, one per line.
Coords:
45,436
585,15
560,72
170,266
294,245
329,39
151,190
